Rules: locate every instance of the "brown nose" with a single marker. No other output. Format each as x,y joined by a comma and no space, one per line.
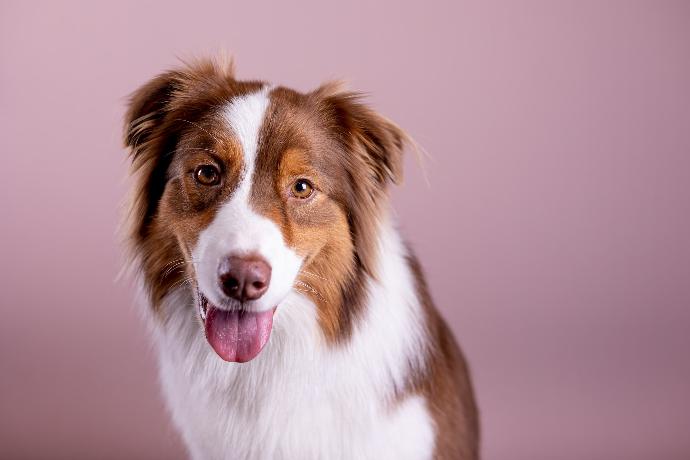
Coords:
244,278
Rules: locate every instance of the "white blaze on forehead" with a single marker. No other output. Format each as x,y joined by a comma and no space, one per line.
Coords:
245,116
237,229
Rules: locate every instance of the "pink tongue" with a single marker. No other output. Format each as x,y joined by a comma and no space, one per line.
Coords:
238,336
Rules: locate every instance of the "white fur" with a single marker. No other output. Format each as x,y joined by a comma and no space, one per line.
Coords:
302,398
237,229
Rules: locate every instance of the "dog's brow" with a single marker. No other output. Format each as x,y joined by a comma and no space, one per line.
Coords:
197,125
184,149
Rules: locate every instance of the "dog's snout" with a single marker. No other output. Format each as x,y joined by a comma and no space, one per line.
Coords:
244,278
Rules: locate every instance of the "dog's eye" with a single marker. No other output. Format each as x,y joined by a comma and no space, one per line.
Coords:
302,189
207,175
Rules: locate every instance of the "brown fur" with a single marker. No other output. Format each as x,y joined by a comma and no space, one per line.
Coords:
445,384
328,137
347,151
169,107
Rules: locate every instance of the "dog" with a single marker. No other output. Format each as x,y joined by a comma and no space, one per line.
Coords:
290,318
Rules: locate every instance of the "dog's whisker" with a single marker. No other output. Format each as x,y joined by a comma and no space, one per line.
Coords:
184,149
311,289
181,261
176,261
174,266
313,274
182,282
177,266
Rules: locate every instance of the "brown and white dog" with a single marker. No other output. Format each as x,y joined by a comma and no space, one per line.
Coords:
290,318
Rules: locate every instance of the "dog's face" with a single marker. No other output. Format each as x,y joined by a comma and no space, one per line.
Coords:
246,192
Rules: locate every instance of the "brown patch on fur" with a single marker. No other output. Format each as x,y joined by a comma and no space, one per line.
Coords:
374,147
172,112
320,233
350,154
369,149
444,383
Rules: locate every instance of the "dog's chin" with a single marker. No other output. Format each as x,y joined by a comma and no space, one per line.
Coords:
236,335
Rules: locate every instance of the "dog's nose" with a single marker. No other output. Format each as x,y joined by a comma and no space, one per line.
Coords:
244,278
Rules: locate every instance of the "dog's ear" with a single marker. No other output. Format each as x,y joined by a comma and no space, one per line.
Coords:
203,80
372,152
147,137
147,108
379,141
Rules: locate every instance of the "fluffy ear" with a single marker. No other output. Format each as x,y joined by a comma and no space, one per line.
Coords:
147,108
146,137
373,155
379,140
200,80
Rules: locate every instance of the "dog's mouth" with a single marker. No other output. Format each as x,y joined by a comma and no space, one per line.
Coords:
235,335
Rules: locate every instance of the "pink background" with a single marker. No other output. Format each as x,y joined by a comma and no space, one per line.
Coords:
554,232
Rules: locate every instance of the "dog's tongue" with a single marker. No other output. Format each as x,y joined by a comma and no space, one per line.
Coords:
238,335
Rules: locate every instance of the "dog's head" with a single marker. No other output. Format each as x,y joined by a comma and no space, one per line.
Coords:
245,192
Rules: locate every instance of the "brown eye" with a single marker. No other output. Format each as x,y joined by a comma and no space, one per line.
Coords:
302,189
207,175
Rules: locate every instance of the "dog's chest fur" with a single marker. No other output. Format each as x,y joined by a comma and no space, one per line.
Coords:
303,398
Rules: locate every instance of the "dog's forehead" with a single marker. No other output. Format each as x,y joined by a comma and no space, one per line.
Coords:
265,124
244,117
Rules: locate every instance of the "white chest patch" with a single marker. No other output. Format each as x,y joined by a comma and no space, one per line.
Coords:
302,398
